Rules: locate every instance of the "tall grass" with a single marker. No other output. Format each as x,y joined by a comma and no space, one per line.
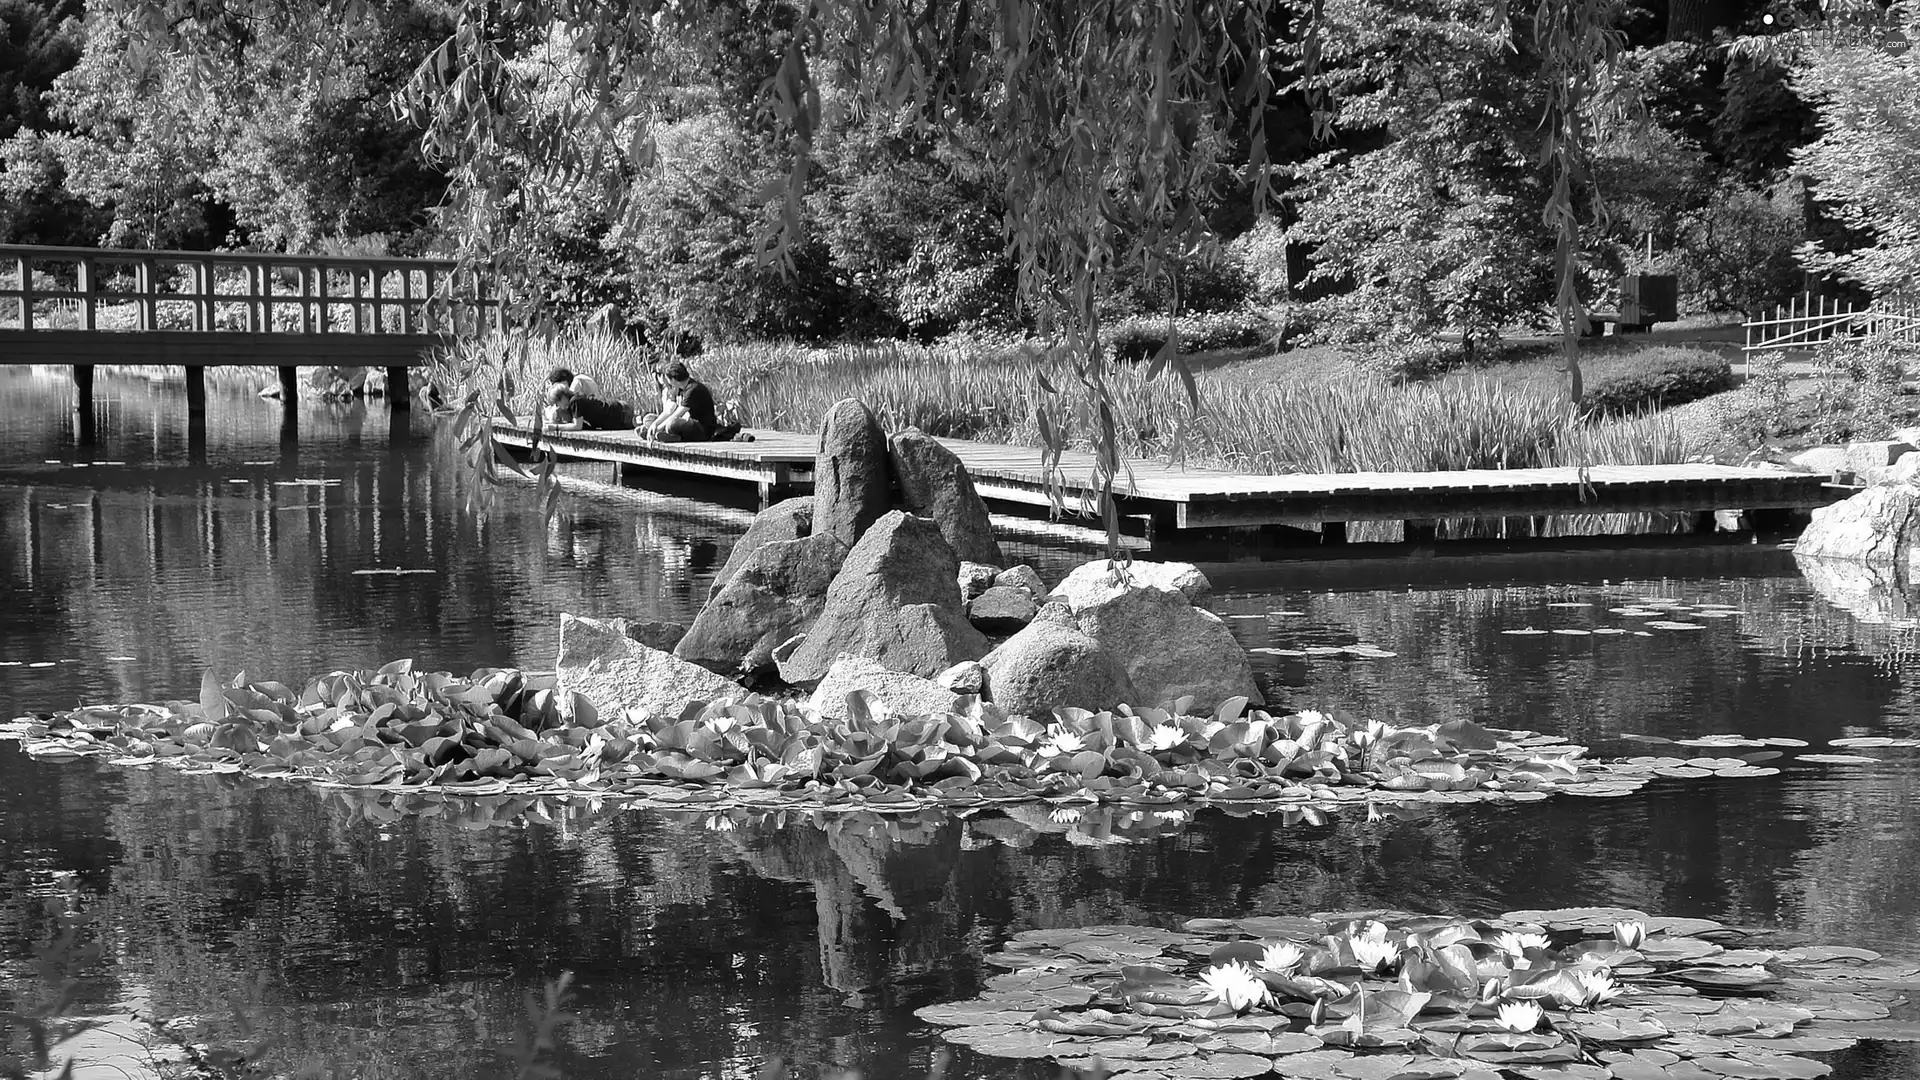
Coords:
986,390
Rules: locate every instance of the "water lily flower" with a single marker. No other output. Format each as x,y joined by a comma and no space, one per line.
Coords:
1282,957
1596,987
1374,951
1064,815
1632,934
1062,742
1234,985
1520,1017
1516,945
1164,737
1372,733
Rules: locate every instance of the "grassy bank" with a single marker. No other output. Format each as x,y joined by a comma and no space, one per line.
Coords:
1342,421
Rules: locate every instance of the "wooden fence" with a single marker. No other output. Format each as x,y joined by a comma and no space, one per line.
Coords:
124,290
1805,322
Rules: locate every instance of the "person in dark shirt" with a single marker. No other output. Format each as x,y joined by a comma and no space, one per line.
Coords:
691,417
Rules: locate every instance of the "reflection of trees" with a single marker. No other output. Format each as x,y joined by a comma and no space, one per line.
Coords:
1787,665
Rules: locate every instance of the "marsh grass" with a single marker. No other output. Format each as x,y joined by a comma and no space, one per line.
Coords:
986,389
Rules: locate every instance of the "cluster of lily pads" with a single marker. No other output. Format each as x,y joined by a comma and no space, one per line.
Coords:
502,730
1581,994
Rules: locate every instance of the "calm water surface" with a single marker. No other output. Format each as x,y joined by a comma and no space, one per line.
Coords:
399,944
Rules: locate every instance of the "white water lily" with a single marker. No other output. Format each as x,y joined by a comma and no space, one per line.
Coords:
1234,985
1520,1016
1632,934
1372,733
1596,987
1373,950
1065,815
1516,945
1164,737
1282,957
1062,742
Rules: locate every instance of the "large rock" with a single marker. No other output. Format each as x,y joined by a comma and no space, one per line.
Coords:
896,601
789,519
1094,583
976,578
778,592
1048,666
1879,525
903,695
933,483
852,481
1170,648
601,663
1863,456
1820,459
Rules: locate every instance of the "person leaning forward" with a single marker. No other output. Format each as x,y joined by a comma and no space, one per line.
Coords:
691,417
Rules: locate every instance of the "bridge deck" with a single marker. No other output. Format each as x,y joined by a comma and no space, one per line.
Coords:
1185,498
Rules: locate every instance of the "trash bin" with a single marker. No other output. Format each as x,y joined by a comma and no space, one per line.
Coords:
1646,299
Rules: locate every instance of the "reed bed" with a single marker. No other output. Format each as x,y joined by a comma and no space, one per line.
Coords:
986,390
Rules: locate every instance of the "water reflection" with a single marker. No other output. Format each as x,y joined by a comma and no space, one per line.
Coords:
398,934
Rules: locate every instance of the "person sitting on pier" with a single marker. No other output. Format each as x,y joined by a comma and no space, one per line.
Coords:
691,416
562,413
583,386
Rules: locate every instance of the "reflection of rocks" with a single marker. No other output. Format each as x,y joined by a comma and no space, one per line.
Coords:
1872,592
859,868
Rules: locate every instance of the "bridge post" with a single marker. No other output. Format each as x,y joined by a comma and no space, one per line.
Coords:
289,386
83,394
196,392
399,396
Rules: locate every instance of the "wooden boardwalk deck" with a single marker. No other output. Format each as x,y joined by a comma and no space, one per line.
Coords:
1185,500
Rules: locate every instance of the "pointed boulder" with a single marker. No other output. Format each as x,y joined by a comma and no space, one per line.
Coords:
789,519
896,601
776,593
852,481
933,483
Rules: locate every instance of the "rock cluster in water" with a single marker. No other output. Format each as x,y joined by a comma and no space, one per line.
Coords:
889,579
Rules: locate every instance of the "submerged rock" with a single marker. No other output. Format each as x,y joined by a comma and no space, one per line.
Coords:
790,519
902,694
776,593
1048,665
933,483
600,662
896,601
852,478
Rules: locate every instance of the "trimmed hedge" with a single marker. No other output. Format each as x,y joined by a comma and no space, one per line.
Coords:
1139,337
1657,377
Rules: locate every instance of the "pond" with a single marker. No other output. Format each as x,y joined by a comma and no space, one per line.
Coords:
401,946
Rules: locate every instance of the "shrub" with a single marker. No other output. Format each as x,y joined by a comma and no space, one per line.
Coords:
1657,377
1141,336
1857,394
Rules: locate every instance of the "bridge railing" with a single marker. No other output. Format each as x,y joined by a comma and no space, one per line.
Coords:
112,289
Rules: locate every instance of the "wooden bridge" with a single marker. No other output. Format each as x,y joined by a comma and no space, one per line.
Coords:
1176,507
197,309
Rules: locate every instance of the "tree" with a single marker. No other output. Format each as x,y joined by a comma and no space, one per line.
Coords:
1106,119
1865,166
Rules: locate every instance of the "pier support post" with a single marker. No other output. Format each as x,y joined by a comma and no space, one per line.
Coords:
289,386
1419,531
197,391
83,399
1333,532
399,396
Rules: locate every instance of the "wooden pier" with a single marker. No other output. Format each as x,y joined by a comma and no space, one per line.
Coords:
1175,507
197,309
